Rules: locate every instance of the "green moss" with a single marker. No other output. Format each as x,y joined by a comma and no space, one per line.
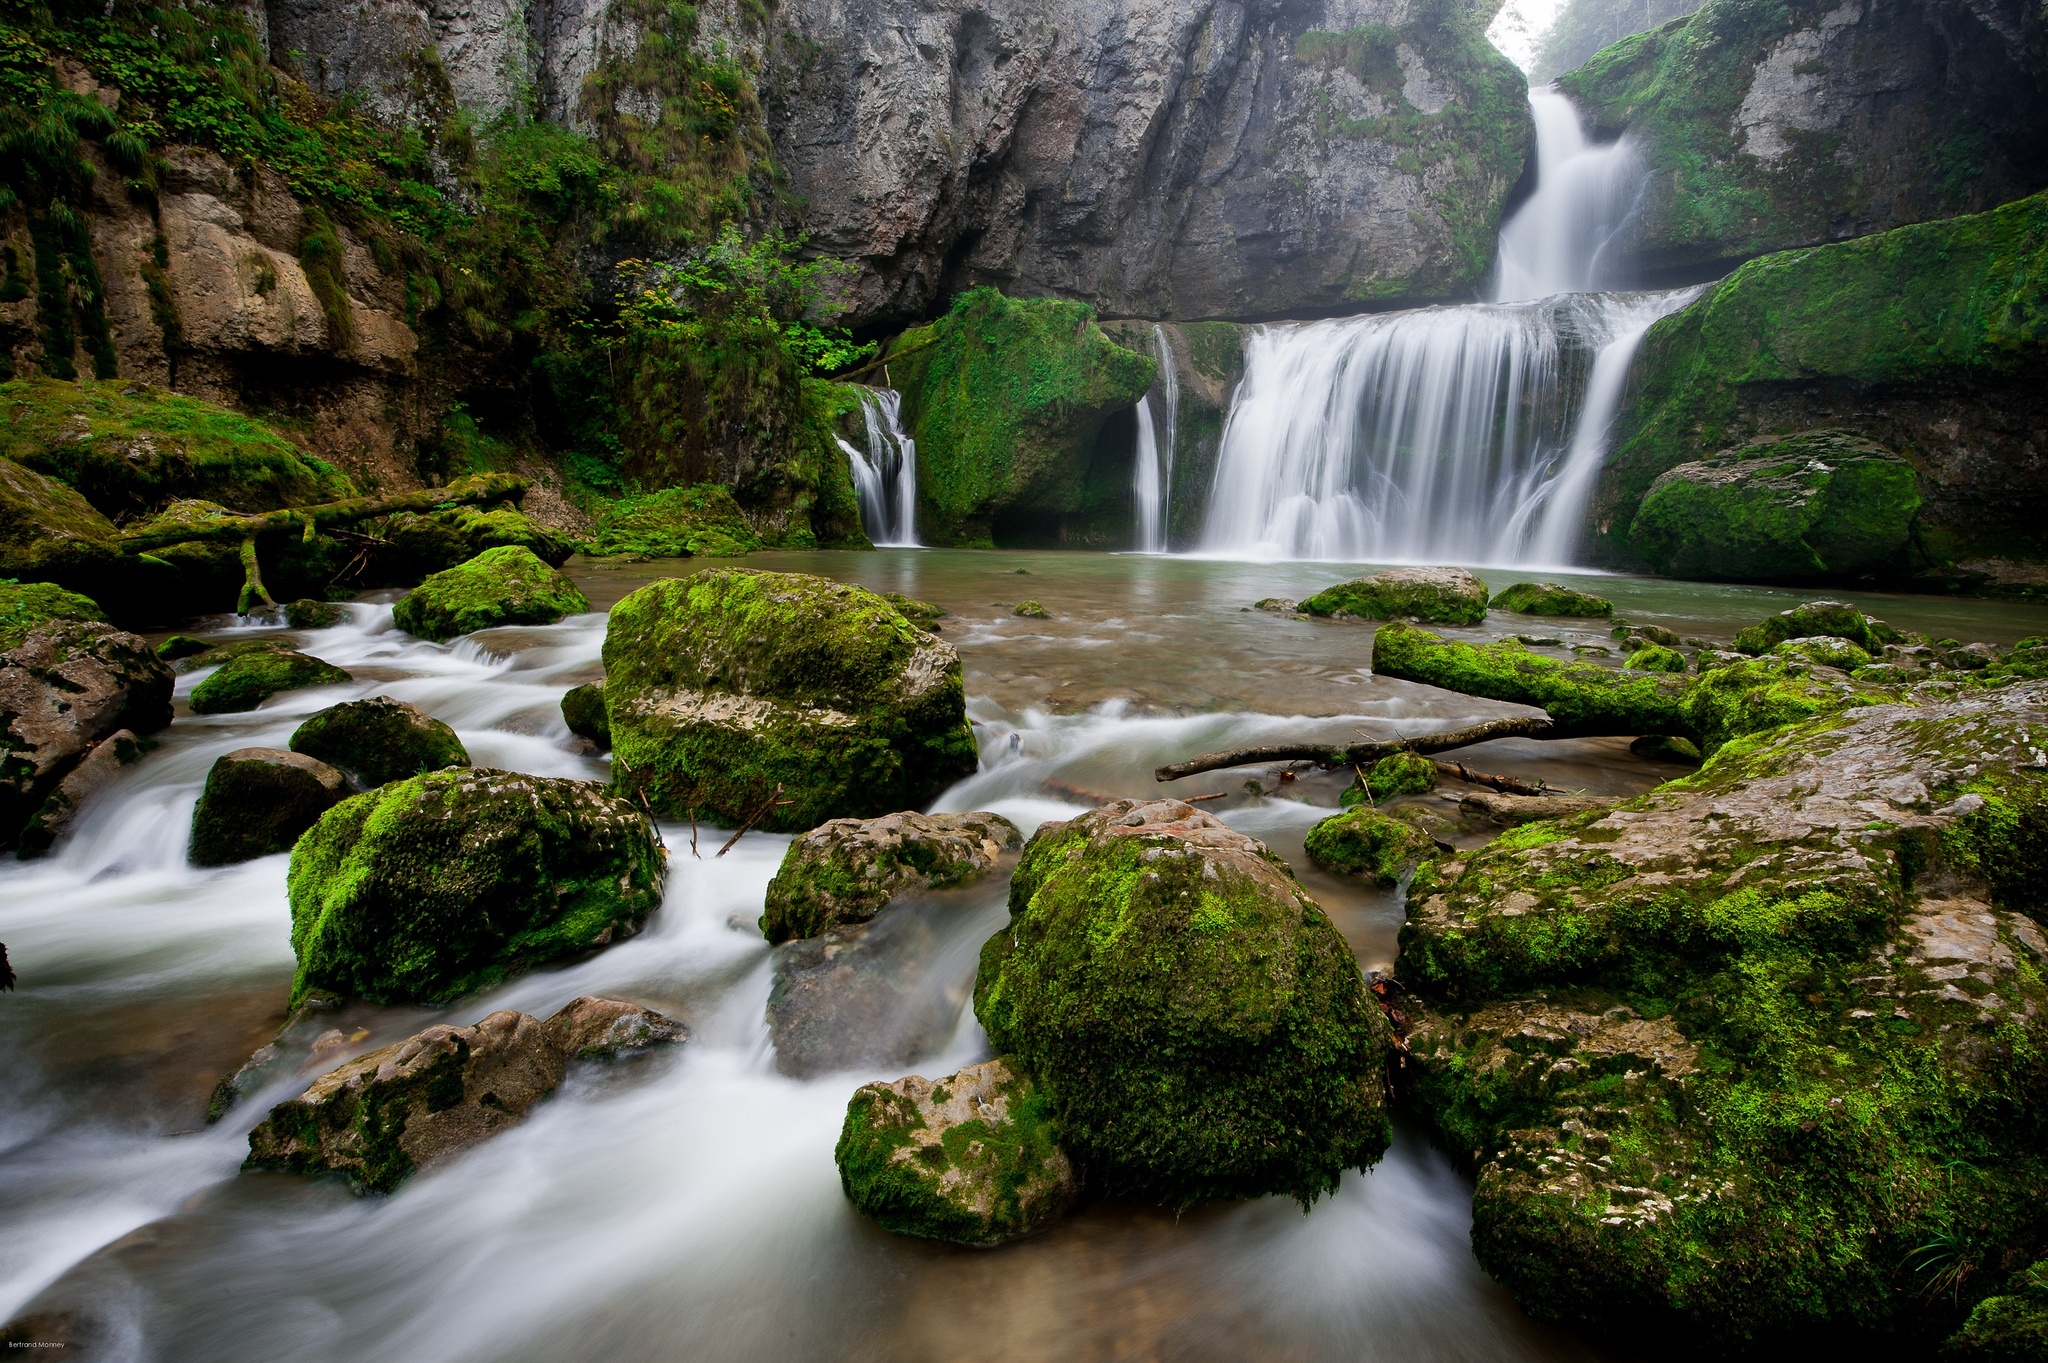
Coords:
251,678
1581,698
2011,1327
379,740
48,533
1547,598
1825,650
583,711
679,522
1835,619
307,613
923,614
507,586
1401,773
1761,694
1366,842
443,884
410,547
1655,658
1031,610
27,607
1433,595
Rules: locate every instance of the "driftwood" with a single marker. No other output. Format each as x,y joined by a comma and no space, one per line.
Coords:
1326,756
1507,785
482,487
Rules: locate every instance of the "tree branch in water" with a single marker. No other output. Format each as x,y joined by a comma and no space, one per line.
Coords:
1357,754
482,487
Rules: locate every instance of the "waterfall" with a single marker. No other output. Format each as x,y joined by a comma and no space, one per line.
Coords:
1470,433
885,476
1152,474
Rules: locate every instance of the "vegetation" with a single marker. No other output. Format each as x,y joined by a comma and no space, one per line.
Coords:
1581,698
25,607
1583,27
678,522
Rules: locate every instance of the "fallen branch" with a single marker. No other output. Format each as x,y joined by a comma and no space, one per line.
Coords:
1507,785
774,801
482,487
1357,754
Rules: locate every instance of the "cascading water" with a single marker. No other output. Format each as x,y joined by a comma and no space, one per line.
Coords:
1470,433
1152,476
885,477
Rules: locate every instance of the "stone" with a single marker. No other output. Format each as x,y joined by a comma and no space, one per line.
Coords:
1760,694
505,586
1834,619
847,870
1279,605
864,995
1547,598
258,801
923,614
26,606
440,885
66,687
1031,610
415,545
1199,1027
590,1028
249,678
1655,658
1440,596
1512,811
1580,698
583,711
1636,636
1365,842
310,614
779,699
1824,650
179,647
1666,748
972,1158
379,740
92,774
48,533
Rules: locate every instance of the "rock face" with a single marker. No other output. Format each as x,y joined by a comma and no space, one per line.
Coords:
972,1158
1698,1044
845,871
1204,362
248,679
504,586
1819,504
779,698
70,685
443,884
1547,598
379,740
1437,596
1198,1026
1366,842
258,801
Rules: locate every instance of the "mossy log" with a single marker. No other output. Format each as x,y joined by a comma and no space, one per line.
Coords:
306,520
1358,754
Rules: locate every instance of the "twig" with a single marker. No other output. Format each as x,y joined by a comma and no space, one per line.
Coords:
693,832
1357,754
774,801
1212,795
1506,785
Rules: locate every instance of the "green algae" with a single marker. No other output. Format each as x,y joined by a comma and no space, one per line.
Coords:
505,586
249,678
1547,598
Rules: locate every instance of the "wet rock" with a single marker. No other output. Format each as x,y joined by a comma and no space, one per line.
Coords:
604,1029
845,871
1758,694
258,801
307,613
440,885
1666,748
48,533
1401,773
1581,698
1547,598
505,586
1279,605
379,740
1365,842
26,606
1515,810
1175,990
865,995
1655,658
99,766
6,970
1824,650
415,546
179,647
1031,610
1440,596
583,711
63,689
781,699
249,678
1634,637
923,614
973,1158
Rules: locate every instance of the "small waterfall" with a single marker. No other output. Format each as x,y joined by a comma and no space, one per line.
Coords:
1569,237
1152,475
885,476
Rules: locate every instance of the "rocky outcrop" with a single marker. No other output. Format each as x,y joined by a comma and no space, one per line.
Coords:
506,586
1437,596
258,801
846,871
379,740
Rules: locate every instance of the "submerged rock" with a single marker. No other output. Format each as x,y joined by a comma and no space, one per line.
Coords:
92,774
1198,1026
1031,610
27,606
1581,698
258,801
779,699
379,740
845,871
249,678
867,995
504,586
973,1158
440,885
1440,596
583,711
1368,843
1547,598
307,613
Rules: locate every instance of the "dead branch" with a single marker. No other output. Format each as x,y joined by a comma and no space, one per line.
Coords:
1358,754
1507,785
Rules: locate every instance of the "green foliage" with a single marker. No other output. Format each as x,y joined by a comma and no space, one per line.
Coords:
24,607
1583,27
504,586
677,522
1547,598
251,678
1366,842
379,740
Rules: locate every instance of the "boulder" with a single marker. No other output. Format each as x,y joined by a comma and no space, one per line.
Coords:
583,711
440,885
845,871
258,801
678,522
1581,698
48,533
1759,694
25,606
63,689
307,613
251,676
507,586
379,740
866,995
1547,598
1031,610
1655,658
1401,773
179,647
779,699
1836,619
1512,811
604,1029
100,765
1824,650
973,1158
1438,596
1198,1026
1365,842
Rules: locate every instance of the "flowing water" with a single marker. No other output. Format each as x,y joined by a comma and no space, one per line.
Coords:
685,1205
1152,473
885,474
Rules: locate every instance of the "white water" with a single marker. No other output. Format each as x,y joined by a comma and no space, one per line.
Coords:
1152,476
1468,434
885,476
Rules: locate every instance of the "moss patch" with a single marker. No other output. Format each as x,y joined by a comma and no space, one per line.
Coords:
1547,598
29,606
1368,843
1439,596
679,522
508,586
1582,698
251,678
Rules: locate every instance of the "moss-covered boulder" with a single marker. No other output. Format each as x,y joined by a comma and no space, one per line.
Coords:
1655,658
379,740
414,545
923,614
1760,694
973,1158
440,885
507,586
1006,398
1437,596
1825,650
678,522
258,801
1365,842
252,677
48,533
848,870
1581,698
2011,1327
306,613
31,605
1401,773
1817,505
1837,619
779,698
1547,598
583,711
1727,1056
1198,1026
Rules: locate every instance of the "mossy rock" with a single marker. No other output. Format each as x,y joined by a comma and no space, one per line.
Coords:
179,647
1031,610
1365,842
258,801
1199,1027
923,614
507,586
415,545
307,613
1824,650
209,574
444,884
250,678
31,605
1837,619
1401,773
2011,1327
723,687
1438,596
848,870
1581,698
49,533
583,711
379,740
1666,748
1761,694
1655,658
678,522
1547,598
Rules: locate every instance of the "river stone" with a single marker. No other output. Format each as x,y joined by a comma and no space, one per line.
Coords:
26,606
923,614
509,585
1200,1028
1547,598
443,884
250,677
604,1029
66,687
307,613
1825,650
379,740
1400,773
1837,619
844,871
1366,842
1440,596
781,699
973,1158
258,801
583,712
94,771
1675,1032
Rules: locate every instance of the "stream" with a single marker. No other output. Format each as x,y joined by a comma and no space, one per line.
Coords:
686,1204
